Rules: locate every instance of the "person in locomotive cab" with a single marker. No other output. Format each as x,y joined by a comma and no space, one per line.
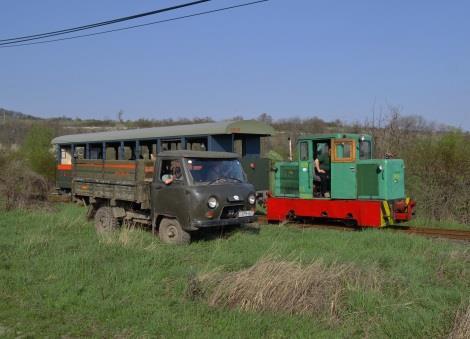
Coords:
322,169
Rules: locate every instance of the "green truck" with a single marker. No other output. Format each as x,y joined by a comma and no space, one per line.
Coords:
178,193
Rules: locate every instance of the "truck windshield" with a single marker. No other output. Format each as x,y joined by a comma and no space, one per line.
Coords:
213,171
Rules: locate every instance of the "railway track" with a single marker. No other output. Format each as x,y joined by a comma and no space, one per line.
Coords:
422,231
434,232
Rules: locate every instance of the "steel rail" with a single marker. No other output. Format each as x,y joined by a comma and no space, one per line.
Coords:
434,232
452,234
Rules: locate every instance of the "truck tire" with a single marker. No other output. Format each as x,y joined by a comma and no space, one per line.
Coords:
105,220
171,232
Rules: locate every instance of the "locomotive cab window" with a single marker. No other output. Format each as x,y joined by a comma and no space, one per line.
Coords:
365,151
303,151
344,150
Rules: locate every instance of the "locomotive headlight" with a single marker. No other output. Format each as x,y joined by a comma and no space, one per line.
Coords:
251,199
380,168
212,202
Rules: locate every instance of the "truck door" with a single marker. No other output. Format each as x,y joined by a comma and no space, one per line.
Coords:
169,198
343,169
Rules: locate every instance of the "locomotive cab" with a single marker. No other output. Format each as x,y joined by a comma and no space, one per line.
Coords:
340,154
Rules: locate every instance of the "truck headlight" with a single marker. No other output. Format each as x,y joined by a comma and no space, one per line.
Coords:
212,202
251,199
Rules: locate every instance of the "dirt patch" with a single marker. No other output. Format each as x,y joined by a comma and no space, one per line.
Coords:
275,285
461,329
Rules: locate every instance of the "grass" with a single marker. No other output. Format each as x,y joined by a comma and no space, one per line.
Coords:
59,278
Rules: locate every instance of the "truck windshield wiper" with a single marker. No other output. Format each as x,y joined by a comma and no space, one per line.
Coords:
224,178
232,178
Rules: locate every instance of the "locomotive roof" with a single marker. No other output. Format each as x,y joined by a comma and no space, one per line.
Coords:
212,128
333,136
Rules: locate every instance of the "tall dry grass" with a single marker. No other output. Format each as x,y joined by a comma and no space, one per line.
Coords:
276,285
461,329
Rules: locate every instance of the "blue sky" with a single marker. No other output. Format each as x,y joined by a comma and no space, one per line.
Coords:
289,58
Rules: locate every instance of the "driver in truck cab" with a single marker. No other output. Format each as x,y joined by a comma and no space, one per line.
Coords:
172,172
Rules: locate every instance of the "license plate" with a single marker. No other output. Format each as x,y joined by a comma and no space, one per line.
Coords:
245,213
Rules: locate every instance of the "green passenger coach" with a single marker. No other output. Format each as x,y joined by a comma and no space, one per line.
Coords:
242,137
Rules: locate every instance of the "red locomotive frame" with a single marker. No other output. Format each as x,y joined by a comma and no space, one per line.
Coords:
364,213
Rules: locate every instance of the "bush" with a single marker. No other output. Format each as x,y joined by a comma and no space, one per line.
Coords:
37,151
438,176
19,186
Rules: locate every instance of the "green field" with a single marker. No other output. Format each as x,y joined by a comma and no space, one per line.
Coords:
59,278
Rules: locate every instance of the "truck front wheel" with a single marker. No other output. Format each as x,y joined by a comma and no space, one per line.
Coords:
105,220
171,232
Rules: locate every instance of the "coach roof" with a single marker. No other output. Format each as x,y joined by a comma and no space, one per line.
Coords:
199,154
211,128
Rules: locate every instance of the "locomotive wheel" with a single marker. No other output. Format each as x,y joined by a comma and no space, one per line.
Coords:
171,232
105,220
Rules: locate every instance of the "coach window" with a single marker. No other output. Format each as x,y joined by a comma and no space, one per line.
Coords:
153,156
238,146
196,144
130,150
96,151
112,150
145,150
66,155
171,145
79,153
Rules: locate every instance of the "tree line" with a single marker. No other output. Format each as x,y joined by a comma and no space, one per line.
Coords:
436,156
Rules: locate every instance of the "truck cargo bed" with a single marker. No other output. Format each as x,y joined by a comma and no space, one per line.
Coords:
114,180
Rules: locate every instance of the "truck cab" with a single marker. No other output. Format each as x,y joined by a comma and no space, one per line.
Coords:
193,190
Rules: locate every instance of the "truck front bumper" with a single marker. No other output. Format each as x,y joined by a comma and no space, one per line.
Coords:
222,222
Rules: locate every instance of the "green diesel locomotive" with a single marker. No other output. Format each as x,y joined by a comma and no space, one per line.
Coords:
336,178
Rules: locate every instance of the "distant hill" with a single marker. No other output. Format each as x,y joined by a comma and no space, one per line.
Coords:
7,114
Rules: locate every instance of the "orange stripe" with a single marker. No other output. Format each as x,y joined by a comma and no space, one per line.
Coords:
64,167
120,165
129,166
